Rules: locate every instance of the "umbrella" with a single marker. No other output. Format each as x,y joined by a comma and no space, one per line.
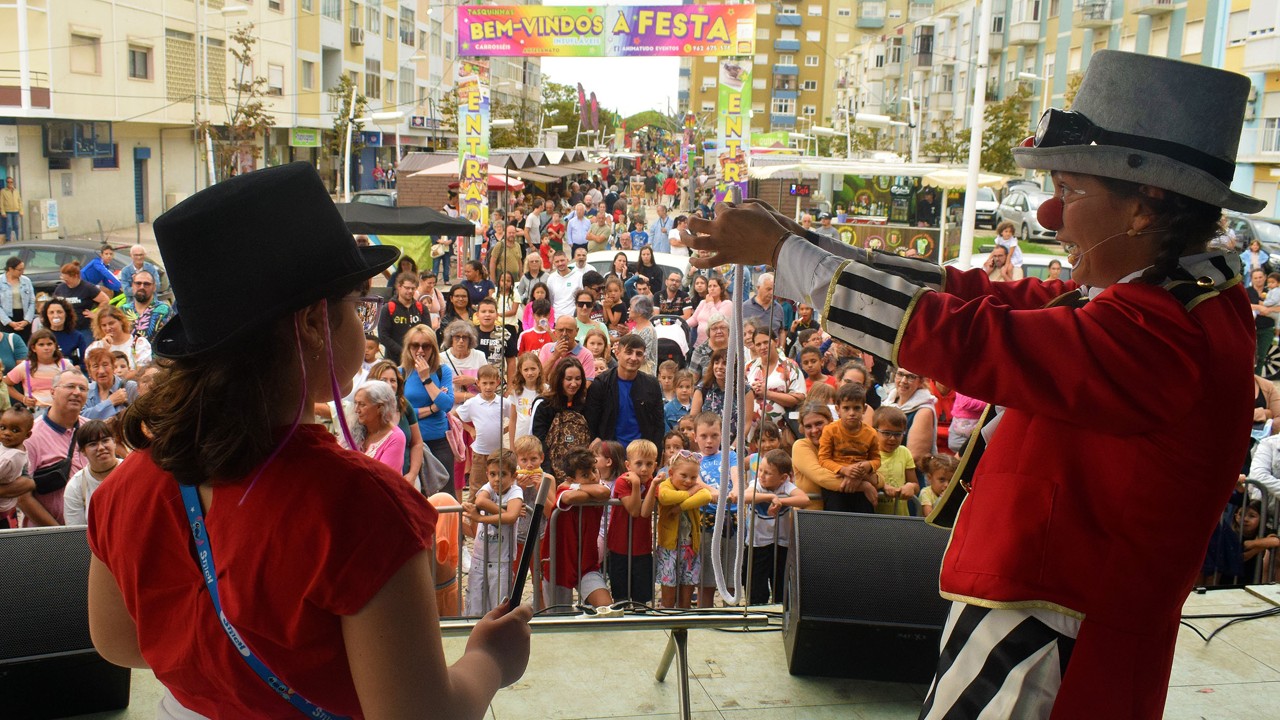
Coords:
366,218
950,179
1271,363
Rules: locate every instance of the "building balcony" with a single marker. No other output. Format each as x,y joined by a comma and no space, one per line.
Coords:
684,72
1024,33
1153,7
785,93
997,44
683,96
1259,145
786,46
1093,14
892,69
871,14
1262,54
944,55
874,74
790,21
11,89
780,120
791,70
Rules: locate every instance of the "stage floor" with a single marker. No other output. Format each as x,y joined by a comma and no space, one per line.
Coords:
743,676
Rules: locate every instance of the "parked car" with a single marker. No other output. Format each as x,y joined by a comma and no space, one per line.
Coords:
602,262
1034,265
1251,227
1019,207
1020,184
986,205
385,198
44,263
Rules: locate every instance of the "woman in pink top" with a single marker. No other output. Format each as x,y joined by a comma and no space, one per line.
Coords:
375,430
716,302
965,412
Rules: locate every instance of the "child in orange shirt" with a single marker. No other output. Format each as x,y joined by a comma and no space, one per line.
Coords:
851,450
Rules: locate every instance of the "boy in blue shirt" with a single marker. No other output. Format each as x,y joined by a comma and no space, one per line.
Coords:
707,437
679,406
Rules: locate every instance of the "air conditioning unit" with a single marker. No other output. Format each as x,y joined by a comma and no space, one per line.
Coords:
357,36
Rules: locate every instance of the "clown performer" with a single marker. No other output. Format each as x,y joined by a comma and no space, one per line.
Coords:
1067,586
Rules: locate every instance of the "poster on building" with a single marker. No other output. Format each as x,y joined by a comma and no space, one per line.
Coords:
732,130
304,137
607,31
473,142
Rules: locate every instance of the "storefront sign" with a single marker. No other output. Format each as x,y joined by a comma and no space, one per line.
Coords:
304,137
732,131
371,138
8,138
607,31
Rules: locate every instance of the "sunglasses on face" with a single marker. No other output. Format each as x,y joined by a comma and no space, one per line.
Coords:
420,346
586,304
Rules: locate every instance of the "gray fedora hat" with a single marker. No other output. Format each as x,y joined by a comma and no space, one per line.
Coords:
1150,120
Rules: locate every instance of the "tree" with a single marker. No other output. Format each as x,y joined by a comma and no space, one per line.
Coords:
1007,125
238,142
949,146
342,97
1073,87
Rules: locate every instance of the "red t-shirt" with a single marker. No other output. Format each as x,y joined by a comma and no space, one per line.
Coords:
828,379
319,534
670,187
571,553
641,527
532,341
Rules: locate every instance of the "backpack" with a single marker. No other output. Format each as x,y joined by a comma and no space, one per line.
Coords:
568,432
391,305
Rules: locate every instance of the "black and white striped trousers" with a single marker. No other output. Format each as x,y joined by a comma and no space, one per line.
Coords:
999,664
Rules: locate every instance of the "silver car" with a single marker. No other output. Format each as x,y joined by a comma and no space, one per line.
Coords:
1019,207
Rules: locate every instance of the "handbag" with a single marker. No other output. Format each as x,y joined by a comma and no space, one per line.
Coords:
52,478
434,476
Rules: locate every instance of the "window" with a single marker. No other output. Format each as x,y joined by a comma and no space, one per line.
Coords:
1033,10
844,12
353,14
997,23
373,16
762,59
759,83
331,9
811,61
305,5
763,9
783,106
786,59
275,80
708,106
788,10
757,108
895,51
1053,8
406,26
307,75
815,10
842,37
437,37
810,110
1270,135
710,59
372,81
1159,45
139,63
762,33
1193,38
277,5
787,35
85,54
810,85
1238,28
108,163
813,35
389,24
1074,59
708,83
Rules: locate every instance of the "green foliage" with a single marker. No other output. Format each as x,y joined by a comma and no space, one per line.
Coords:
1008,123
1073,87
949,147
342,94
238,141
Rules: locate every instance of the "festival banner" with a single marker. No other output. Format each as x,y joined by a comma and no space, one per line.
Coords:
473,142
607,31
733,129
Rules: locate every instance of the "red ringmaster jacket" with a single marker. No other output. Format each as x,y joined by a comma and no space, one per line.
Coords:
1126,423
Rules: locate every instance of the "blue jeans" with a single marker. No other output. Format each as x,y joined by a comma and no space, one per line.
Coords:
441,267
10,228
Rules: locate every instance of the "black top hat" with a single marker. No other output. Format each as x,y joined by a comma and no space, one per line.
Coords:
1155,121
287,241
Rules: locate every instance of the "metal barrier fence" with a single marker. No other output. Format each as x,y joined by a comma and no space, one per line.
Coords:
1264,570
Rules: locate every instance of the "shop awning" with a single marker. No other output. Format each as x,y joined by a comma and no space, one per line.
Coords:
586,166
366,218
538,177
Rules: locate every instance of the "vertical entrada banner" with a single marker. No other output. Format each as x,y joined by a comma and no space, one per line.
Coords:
733,130
473,142
607,31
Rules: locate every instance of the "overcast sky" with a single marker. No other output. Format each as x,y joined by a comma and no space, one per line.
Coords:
625,85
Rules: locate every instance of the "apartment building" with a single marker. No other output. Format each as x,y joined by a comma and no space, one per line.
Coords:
926,52
797,45
99,98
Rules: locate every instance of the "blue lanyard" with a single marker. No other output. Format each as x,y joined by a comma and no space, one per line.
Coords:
204,553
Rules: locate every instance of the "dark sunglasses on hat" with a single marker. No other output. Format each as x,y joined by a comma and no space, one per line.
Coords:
1060,128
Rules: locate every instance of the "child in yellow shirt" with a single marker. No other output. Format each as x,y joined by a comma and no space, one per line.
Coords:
897,467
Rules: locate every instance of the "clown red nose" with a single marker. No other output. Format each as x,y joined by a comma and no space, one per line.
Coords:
1050,214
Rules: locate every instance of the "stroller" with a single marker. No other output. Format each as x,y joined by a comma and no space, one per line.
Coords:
673,339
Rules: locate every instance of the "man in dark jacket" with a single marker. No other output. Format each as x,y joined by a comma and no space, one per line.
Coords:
398,315
625,404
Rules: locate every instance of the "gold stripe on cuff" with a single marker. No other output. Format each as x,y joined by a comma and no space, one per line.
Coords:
902,324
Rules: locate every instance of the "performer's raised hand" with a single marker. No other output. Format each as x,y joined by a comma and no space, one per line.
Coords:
747,234
786,222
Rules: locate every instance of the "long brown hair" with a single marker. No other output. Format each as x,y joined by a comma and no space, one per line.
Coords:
211,416
555,384
375,373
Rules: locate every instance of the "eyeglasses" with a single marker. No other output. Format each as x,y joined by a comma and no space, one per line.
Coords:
138,283
421,346
687,455
367,305
1067,194
586,304
892,433
903,375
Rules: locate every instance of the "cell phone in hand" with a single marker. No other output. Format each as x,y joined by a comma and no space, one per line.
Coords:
530,544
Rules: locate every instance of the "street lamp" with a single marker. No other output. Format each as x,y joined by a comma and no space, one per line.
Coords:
202,90
913,116
382,118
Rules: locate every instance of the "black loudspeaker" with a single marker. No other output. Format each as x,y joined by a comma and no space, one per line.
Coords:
863,596
48,667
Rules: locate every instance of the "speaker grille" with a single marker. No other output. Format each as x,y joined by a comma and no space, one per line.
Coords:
44,592
870,568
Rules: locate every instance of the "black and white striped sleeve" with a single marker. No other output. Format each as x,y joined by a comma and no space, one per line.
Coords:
860,304
920,271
